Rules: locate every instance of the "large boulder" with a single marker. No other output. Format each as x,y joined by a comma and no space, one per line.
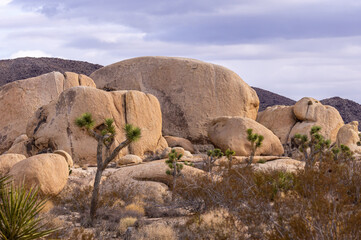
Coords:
279,119
231,133
7,161
311,113
20,99
348,135
53,126
49,172
190,92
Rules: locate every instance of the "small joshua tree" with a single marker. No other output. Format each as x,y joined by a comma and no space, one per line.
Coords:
359,142
213,155
316,146
342,153
104,138
256,142
175,168
229,154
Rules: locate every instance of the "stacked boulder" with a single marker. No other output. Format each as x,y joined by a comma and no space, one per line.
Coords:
20,99
286,121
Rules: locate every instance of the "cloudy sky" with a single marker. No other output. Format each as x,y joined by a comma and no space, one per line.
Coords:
292,47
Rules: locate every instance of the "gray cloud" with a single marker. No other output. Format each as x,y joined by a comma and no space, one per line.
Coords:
293,47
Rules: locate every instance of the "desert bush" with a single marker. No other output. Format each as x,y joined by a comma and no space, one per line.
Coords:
323,202
81,234
136,209
155,232
214,224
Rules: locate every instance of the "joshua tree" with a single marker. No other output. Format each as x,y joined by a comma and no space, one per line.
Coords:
213,155
342,153
256,142
229,154
359,142
175,168
104,138
316,146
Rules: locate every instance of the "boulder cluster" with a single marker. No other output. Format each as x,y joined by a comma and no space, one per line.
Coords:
176,102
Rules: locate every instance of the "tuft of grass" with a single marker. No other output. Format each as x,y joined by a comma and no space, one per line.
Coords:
124,223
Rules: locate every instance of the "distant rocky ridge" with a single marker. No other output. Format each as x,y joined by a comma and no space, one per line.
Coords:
22,68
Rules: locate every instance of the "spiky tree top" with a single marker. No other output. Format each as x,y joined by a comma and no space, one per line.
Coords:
229,153
254,138
175,168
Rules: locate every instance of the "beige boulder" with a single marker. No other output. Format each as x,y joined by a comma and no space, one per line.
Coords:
53,126
312,113
190,92
7,161
129,159
279,119
231,133
49,172
180,142
148,179
283,164
19,146
348,135
20,99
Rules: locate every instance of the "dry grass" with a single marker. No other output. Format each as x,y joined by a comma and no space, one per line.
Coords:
124,223
155,232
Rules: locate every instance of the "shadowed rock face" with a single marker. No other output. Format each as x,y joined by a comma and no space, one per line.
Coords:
190,92
22,68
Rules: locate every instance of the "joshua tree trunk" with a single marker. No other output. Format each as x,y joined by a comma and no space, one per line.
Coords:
174,180
95,196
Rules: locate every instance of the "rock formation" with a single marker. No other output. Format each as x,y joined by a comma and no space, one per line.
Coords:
286,121
190,92
231,132
180,142
20,99
348,135
53,126
279,119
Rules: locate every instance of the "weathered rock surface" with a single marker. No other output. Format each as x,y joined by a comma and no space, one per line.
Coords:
288,165
53,126
190,92
148,179
47,171
20,99
19,146
231,132
279,119
9,160
311,112
348,135
180,142
129,159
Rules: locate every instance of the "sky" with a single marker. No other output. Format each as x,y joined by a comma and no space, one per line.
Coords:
295,48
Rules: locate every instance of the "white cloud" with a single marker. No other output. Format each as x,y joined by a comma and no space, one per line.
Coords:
29,53
5,2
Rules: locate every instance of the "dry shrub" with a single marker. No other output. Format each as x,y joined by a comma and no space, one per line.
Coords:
318,203
124,223
81,234
135,209
212,225
155,232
